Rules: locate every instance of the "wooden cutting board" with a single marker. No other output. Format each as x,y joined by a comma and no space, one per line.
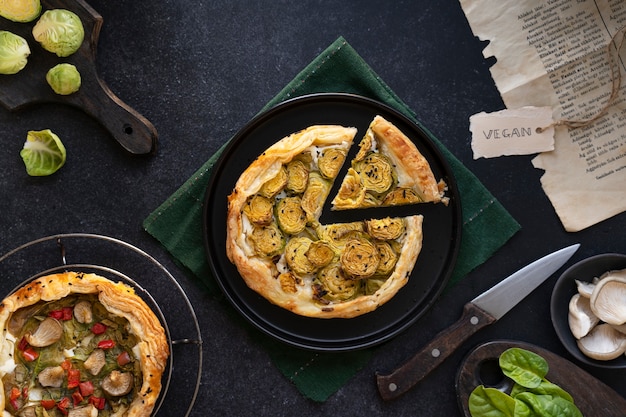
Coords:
133,131
591,396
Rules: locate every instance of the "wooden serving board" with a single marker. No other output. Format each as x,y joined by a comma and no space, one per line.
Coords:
133,131
591,396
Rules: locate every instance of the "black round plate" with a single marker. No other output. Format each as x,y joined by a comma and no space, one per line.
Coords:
441,228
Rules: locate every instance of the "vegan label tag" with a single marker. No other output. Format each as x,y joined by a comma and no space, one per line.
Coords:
522,131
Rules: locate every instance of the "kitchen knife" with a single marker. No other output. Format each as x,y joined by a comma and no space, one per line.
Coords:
478,313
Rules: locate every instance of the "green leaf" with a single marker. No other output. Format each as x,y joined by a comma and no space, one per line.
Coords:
545,388
43,153
490,402
524,367
548,405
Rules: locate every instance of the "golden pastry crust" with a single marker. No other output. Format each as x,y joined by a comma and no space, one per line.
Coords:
120,300
274,277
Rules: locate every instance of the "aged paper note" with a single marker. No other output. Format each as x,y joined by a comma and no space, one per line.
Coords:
563,54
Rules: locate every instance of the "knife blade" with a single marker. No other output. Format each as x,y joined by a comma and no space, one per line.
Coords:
478,313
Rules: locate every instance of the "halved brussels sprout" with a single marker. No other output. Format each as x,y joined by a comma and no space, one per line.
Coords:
289,282
376,172
352,192
64,79
22,11
259,210
371,285
385,229
388,259
275,185
295,255
330,162
337,234
364,147
336,285
268,240
290,215
297,176
320,253
59,31
14,53
43,153
360,258
401,196
316,192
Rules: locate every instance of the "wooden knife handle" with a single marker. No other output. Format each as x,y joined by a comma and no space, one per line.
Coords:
432,355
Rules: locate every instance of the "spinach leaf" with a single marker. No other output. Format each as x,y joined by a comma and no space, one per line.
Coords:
490,402
548,406
524,367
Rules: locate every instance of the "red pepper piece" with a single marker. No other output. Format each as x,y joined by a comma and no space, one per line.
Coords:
98,402
30,354
77,398
123,358
106,344
48,404
98,328
63,404
86,388
73,378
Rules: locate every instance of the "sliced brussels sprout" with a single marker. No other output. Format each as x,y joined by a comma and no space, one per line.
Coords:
388,259
259,210
59,31
337,234
316,192
337,287
376,172
295,255
364,147
352,192
400,196
43,153
268,240
21,11
385,229
297,176
290,215
64,79
289,282
14,53
275,185
371,285
330,162
360,258
320,253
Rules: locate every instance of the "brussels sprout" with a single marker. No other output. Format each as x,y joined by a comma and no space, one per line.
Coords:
275,185
371,285
337,234
320,253
64,79
376,172
43,153
365,146
388,259
401,196
59,31
267,240
289,282
14,52
297,176
360,258
352,193
20,10
259,210
295,255
316,192
330,162
290,215
385,229
337,287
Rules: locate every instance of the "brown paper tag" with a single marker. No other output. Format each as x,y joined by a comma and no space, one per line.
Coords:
512,132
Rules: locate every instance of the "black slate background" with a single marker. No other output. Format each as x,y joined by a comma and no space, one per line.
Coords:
199,71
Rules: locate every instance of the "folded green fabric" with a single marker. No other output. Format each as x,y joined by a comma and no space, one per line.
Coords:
177,223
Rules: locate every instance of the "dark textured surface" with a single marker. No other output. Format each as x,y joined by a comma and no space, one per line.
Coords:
199,71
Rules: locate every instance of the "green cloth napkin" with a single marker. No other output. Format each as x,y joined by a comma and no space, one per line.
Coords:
177,223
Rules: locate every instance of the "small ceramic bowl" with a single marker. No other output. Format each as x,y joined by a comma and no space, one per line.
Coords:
563,291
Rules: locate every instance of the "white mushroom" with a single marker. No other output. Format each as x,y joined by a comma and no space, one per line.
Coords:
86,411
117,383
52,376
49,331
608,300
581,319
83,312
586,288
603,343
